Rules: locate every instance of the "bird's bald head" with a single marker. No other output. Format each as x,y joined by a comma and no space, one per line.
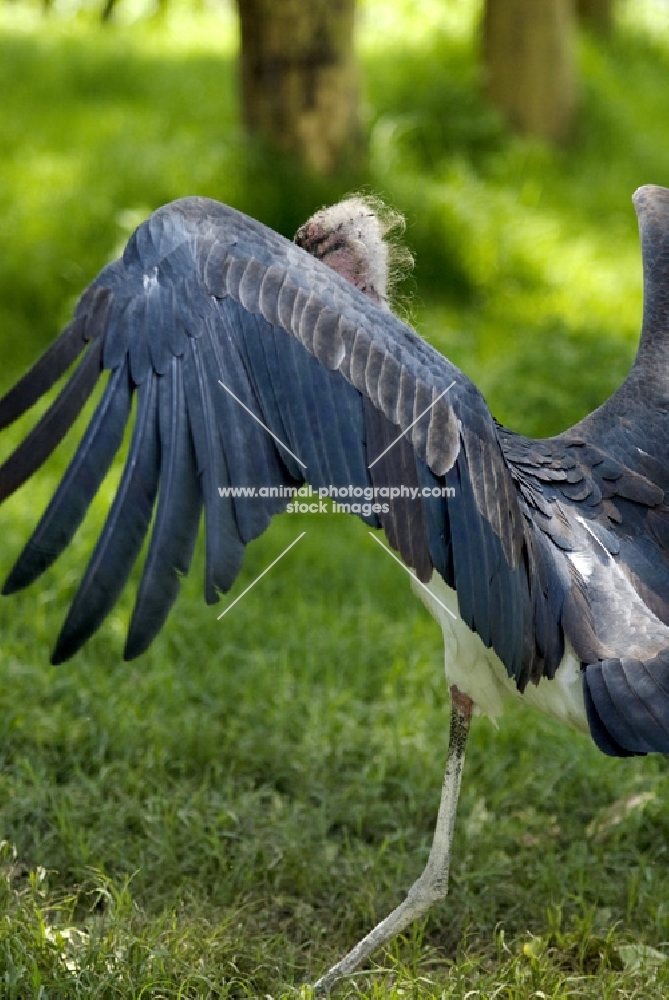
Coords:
351,237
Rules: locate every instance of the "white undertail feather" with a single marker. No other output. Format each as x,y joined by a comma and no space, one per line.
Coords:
479,673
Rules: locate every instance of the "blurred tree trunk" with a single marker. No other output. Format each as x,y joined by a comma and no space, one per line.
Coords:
596,15
299,79
528,57
107,11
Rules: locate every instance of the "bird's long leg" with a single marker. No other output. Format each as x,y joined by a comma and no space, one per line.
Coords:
433,883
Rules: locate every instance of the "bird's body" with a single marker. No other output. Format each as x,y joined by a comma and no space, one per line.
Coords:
254,365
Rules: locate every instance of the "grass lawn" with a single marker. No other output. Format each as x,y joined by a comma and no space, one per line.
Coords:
225,816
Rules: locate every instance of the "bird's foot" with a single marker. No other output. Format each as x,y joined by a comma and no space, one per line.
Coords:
428,889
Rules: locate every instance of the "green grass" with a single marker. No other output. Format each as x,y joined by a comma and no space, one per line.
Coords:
228,814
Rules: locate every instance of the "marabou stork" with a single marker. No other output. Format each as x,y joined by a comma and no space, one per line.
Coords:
546,561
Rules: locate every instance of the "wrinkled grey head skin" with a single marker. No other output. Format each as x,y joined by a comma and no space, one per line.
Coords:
359,239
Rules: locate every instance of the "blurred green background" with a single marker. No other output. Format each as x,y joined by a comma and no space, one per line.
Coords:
225,816
526,256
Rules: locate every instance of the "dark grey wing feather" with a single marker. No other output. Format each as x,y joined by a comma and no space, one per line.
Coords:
139,320
123,534
79,485
266,366
44,374
90,321
627,701
224,548
53,426
177,516
245,445
311,409
393,465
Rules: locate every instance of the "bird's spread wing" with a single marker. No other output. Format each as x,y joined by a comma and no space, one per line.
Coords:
204,296
254,365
